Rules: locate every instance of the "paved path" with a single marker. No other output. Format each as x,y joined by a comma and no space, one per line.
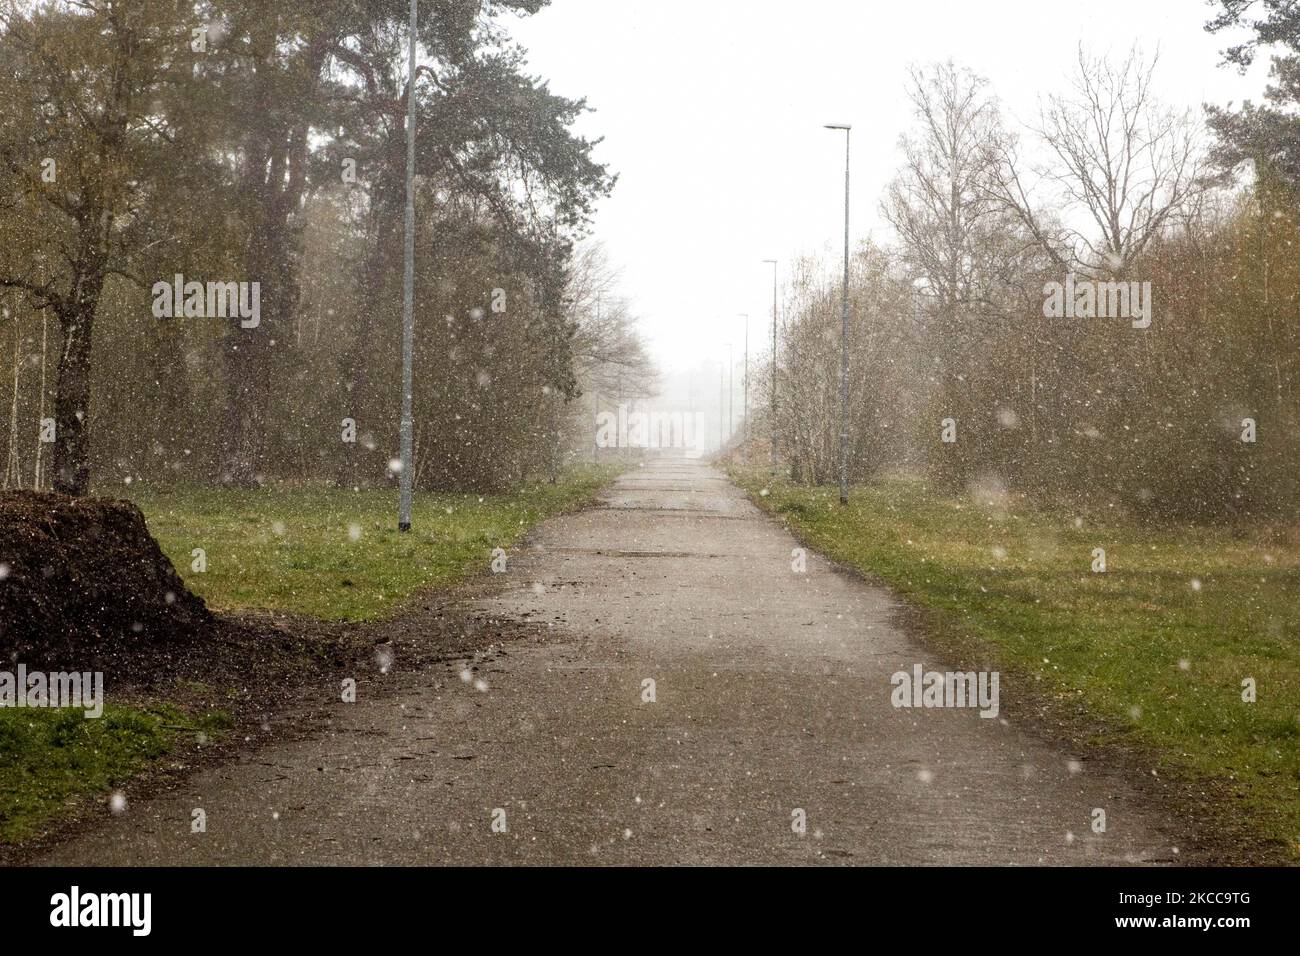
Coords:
772,695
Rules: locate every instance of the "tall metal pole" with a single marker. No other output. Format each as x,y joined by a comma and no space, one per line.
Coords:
408,295
731,393
696,438
772,412
844,340
722,405
745,421
844,332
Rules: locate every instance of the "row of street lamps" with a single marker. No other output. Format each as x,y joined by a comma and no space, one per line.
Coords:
844,340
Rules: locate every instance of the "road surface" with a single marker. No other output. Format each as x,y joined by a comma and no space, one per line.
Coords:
771,706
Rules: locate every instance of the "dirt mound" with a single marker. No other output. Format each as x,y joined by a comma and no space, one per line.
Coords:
82,578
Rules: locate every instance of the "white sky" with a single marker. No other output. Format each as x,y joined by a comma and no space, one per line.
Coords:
712,114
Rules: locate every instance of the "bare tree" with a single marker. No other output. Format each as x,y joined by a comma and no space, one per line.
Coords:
965,252
942,204
608,354
13,476
78,164
1117,158
38,476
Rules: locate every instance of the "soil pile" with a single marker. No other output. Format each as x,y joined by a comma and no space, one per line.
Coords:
82,579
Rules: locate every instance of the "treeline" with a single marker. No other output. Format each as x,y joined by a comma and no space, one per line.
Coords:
258,149
966,370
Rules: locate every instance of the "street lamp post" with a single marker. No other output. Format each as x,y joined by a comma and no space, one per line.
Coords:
844,329
772,263
731,393
408,295
722,407
745,421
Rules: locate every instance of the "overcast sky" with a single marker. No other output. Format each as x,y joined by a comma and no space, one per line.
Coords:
712,114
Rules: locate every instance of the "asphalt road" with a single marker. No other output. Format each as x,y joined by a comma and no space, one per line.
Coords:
772,703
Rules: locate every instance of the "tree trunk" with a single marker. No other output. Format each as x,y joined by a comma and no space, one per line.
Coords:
247,358
13,465
72,398
356,362
275,174
38,478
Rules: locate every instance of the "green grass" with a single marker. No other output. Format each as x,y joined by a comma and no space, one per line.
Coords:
1157,646
325,553
50,758
336,554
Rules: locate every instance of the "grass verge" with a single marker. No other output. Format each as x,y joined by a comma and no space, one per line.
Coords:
336,554
54,757
1157,647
